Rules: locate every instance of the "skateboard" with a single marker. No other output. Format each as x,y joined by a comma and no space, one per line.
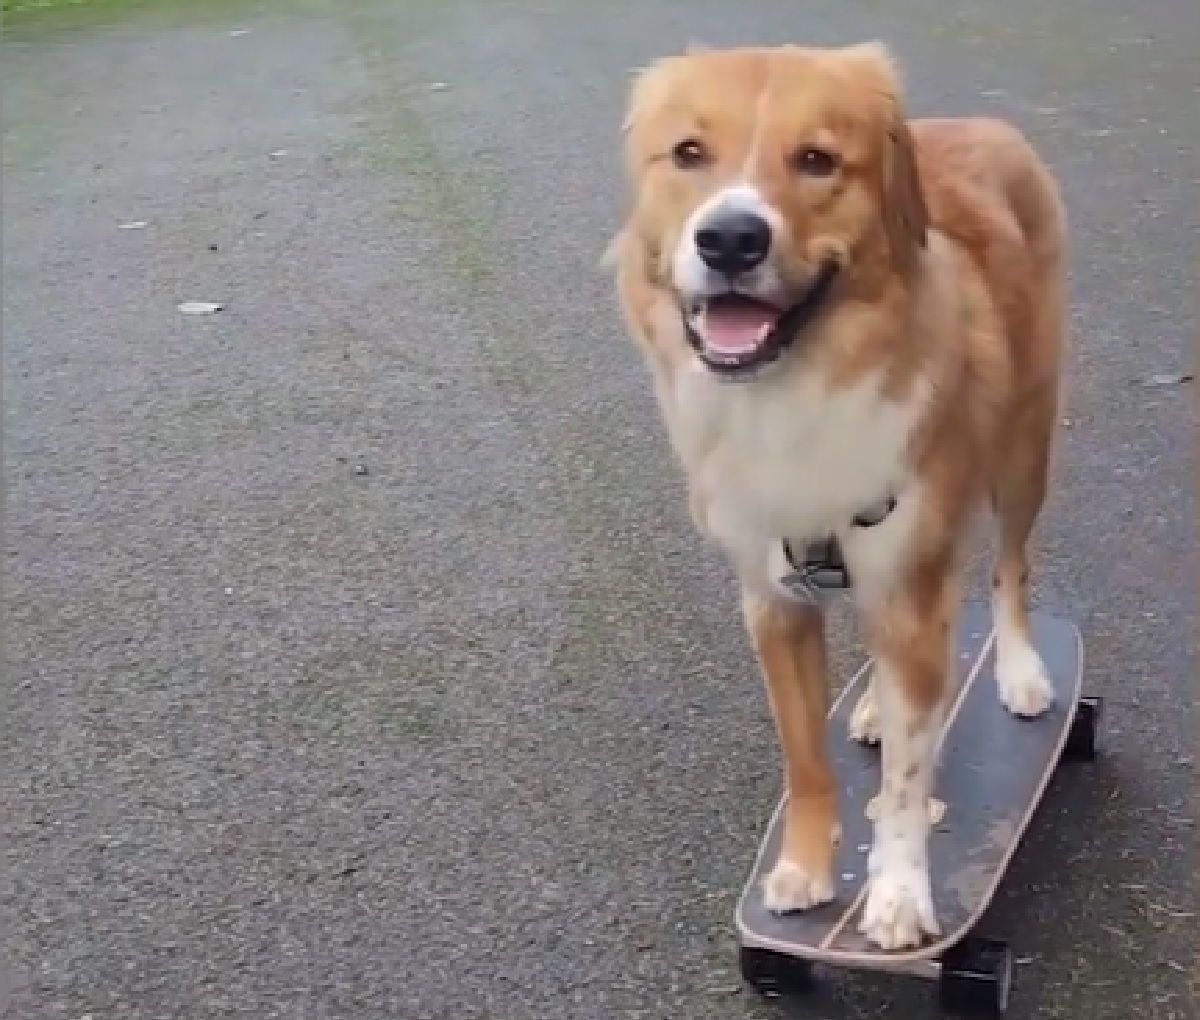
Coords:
992,771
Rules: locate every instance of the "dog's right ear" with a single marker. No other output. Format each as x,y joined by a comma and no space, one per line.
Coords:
641,91
644,94
614,249
631,99
649,86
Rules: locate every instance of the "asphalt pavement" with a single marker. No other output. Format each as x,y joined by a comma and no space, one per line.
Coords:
362,660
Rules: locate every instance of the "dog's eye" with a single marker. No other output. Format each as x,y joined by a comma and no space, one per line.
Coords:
690,154
815,162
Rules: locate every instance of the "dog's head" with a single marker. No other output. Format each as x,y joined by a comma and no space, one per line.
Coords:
765,183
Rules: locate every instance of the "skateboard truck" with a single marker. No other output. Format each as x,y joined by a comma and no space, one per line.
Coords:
975,978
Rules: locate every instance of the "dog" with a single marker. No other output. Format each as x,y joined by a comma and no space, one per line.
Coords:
854,324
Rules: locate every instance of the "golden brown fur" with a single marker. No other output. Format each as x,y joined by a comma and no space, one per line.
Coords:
950,238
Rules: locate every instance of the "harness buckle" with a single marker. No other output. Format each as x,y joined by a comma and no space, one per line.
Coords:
824,568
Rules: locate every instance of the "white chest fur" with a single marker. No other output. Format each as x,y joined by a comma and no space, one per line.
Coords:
777,457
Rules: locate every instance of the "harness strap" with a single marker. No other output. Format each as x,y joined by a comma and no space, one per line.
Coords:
876,514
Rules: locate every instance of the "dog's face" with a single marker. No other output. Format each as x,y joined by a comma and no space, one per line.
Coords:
764,180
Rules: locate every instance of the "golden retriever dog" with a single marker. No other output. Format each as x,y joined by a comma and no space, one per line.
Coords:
854,323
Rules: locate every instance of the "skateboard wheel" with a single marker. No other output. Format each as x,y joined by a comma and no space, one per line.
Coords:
775,974
1085,728
976,978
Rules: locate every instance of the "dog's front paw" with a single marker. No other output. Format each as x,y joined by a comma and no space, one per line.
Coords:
791,887
899,910
864,720
1023,684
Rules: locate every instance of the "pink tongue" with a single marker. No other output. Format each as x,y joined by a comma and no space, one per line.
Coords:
738,328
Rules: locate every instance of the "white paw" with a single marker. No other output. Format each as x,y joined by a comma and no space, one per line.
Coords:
790,887
864,720
899,911
1024,687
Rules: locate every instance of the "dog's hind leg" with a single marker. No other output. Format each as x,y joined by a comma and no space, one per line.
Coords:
1036,325
1017,497
789,640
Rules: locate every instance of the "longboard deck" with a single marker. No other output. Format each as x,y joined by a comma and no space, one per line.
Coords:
993,769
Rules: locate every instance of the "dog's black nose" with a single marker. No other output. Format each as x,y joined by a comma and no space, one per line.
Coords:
733,242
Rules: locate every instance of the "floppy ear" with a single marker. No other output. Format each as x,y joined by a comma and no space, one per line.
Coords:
644,88
905,215
633,97
614,249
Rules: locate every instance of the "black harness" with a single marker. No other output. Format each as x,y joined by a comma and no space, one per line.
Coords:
823,567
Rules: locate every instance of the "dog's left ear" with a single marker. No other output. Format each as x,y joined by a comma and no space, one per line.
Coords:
905,215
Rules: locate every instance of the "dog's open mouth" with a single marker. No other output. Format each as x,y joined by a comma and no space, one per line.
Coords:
734,326
734,334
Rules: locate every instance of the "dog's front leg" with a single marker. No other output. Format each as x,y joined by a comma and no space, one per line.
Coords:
789,640
910,635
